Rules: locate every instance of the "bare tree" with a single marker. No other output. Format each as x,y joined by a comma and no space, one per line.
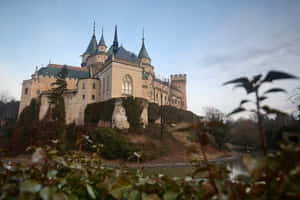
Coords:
214,114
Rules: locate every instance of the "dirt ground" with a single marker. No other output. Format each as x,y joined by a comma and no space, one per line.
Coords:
175,149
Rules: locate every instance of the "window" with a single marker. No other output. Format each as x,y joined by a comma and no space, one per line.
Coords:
93,97
94,85
26,91
83,85
83,96
38,92
127,85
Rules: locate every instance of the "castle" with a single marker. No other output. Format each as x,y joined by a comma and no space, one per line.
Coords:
105,73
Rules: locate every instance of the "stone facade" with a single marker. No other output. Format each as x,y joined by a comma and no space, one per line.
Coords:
105,74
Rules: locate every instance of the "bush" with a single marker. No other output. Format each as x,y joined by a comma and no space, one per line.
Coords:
170,114
153,112
134,108
114,145
26,127
99,111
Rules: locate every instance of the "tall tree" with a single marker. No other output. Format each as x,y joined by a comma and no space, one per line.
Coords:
57,105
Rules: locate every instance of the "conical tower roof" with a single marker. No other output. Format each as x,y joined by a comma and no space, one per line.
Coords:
143,52
92,48
102,42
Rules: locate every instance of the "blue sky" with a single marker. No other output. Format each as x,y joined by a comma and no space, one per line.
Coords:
211,41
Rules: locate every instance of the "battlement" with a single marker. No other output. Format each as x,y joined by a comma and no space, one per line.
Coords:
178,77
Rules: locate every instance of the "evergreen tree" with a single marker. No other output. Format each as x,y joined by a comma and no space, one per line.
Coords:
57,104
59,86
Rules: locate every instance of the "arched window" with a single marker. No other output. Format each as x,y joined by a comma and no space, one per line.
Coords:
127,85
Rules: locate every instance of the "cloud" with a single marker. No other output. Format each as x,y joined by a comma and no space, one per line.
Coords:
11,80
246,61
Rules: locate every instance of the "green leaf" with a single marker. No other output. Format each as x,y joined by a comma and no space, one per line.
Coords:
256,78
150,197
247,86
134,195
276,75
244,101
275,90
52,173
170,196
269,110
262,98
30,186
119,186
237,110
90,191
238,80
59,196
46,193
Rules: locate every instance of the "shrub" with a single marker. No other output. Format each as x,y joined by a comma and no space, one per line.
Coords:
133,107
170,114
114,145
99,111
26,131
153,112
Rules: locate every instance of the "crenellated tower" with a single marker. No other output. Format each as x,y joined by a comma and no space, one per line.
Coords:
179,81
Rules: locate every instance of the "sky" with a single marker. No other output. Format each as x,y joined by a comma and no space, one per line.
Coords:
212,41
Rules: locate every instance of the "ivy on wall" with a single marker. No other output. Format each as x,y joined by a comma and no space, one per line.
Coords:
99,111
133,107
170,114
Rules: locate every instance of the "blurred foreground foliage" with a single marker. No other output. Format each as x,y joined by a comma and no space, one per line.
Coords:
53,174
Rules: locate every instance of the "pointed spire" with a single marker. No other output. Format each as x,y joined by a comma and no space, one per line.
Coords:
102,42
92,48
94,26
143,52
116,43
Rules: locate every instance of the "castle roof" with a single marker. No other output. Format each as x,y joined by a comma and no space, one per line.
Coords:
122,53
92,48
143,52
73,72
102,42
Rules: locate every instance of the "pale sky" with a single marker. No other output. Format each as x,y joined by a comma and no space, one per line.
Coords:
212,41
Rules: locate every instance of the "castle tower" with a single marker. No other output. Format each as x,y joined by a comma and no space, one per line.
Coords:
101,46
143,54
179,81
91,49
